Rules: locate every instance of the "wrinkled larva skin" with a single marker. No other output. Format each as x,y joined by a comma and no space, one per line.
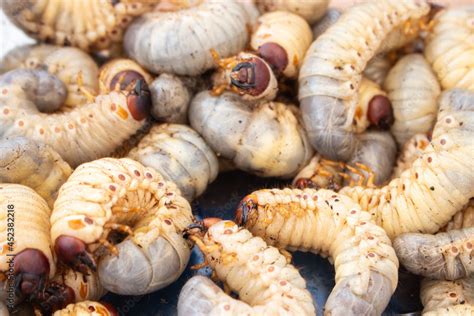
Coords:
436,294
455,310
251,11
90,308
33,164
331,16
86,287
413,90
324,222
180,155
444,256
439,183
462,219
450,47
170,99
282,39
411,150
87,24
187,52
377,69
266,140
149,211
72,66
265,282
310,10
331,74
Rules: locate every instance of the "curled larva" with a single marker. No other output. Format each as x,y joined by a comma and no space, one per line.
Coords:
180,155
125,217
439,182
377,69
267,284
87,24
90,308
33,164
153,41
282,39
310,10
438,296
411,150
266,140
450,47
324,222
444,256
325,22
413,91
331,75
82,134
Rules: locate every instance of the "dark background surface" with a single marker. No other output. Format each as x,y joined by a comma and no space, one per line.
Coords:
220,200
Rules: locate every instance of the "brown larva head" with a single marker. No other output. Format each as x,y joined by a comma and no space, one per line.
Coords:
251,76
55,297
139,100
31,269
200,227
303,183
380,112
275,55
73,252
246,207
124,79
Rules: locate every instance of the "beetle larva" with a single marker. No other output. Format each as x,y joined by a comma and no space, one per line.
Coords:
450,48
447,297
411,150
26,56
187,52
266,139
462,219
413,90
444,256
267,284
282,39
439,182
86,287
180,155
90,308
331,74
87,24
125,217
330,224
331,16
310,10
81,134
377,69
33,164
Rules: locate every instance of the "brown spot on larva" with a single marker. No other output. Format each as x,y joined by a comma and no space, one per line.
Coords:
305,196
315,197
443,142
275,55
167,222
91,308
70,126
380,112
169,194
88,220
403,186
271,269
448,120
370,254
21,123
227,307
83,120
298,196
160,184
454,249
76,224
4,91
121,177
353,211
255,258
283,283
363,223
352,86
432,188
113,107
416,175
41,131
228,231
137,173
6,111
334,196
57,129
148,175
289,296
370,238
452,294
430,159
112,188
91,115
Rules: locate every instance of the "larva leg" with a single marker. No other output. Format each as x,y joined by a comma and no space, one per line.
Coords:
447,297
87,308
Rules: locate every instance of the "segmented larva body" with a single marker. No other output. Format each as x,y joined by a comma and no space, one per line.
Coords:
462,219
450,47
324,222
264,280
412,149
266,139
170,99
87,24
26,56
33,164
455,310
413,90
310,10
377,69
153,41
443,296
89,308
439,183
86,287
331,16
110,196
180,155
282,39
331,74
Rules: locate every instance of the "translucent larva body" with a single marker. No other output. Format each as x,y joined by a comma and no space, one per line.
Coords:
282,39
90,308
33,164
180,155
324,222
89,24
266,139
266,283
411,150
170,99
438,184
450,47
413,90
187,52
108,198
325,22
450,298
377,69
310,10
331,74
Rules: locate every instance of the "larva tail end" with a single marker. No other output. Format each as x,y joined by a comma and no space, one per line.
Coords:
55,297
246,207
72,252
251,76
139,100
380,112
31,268
275,55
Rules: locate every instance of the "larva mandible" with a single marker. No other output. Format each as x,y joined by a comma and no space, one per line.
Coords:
330,224
90,308
310,10
331,16
447,297
411,150
282,39
266,140
450,47
180,155
87,24
413,90
33,164
110,207
82,134
439,182
187,52
331,74
377,68
267,284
